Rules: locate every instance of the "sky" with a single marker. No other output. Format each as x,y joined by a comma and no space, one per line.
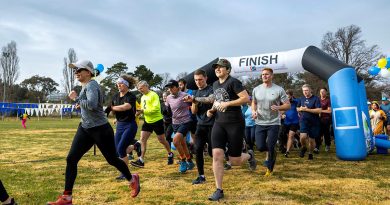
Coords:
176,36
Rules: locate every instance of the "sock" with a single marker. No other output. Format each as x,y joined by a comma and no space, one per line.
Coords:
140,159
170,154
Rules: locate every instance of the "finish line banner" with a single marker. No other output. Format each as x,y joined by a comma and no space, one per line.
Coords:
280,62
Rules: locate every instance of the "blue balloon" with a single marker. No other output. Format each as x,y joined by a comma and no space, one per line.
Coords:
374,70
388,62
100,67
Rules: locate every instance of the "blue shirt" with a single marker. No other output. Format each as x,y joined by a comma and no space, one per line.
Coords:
386,109
249,121
311,103
292,114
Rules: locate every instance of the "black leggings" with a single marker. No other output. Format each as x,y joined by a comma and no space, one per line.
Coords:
103,137
3,193
203,136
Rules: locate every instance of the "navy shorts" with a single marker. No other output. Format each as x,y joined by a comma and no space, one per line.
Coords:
312,128
182,128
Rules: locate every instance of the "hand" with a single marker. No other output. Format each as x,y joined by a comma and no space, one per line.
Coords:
77,106
254,115
210,113
188,99
220,106
275,107
114,121
139,112
72,95
303,109
283,116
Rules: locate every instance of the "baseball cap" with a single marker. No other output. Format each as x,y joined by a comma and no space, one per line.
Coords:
172,83
86,64
384,98
223,62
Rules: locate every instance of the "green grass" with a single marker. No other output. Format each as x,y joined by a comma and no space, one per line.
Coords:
32,167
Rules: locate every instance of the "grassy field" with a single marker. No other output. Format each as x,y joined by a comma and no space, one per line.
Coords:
32,165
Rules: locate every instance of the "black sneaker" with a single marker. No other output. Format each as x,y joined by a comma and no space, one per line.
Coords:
310,157
137,163
286,154
12,202
170,158
137,148
252,161
302,153
316,151
217,195
227,166
199,180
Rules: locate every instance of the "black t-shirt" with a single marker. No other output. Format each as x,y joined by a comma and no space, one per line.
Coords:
167,113
227,91
201,115
128,115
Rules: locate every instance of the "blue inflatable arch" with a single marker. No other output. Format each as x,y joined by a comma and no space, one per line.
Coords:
353,137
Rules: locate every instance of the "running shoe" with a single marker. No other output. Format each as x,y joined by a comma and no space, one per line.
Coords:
12,202
135,185
268,173
183,166
170,158
199,180
252,161
286,154
227,166
138,163
302,152
62,200
190,165
217,195
316,151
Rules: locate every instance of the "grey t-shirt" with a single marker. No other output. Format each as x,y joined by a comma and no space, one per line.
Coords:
91,104
265,97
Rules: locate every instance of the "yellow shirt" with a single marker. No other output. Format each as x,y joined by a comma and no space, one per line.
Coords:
137,107
150,103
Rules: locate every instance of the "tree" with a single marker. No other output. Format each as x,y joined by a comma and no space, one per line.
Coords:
347,46
68,74
39,86
285,80
144,73
166,77
181,75
9,61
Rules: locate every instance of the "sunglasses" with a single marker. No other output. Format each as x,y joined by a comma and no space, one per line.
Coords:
78,70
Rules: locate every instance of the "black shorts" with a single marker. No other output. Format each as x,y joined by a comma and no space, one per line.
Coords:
230,134
290,127
157,127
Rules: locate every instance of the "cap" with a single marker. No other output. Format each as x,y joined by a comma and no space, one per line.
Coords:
384,98
172,83
82,64
223,62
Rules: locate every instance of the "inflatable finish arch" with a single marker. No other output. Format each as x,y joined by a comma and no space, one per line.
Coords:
353,137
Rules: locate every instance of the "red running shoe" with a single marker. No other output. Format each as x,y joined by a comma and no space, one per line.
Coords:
62,200
135,185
